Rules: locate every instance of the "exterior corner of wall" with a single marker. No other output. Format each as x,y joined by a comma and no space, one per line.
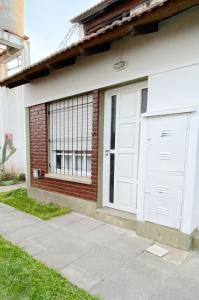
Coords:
27,146
190,211
100,151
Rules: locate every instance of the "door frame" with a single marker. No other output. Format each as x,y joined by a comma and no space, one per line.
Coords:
106,135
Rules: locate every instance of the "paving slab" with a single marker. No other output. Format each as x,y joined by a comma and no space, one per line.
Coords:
127,284
176,256
189,269
1,204
18,223
158,262
171,293
84,225
54,237
103,234
31,247
100,262
6,209
65,220
129,244
80,278
26,232
178,288
12,215
60,256
103,259
183,283
152,266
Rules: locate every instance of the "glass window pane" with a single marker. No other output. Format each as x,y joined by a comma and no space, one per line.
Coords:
68,163
112,175
78,163
144,100
113,121
88,165
58,160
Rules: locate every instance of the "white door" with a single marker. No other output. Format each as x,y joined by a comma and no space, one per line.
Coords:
121,145
166,158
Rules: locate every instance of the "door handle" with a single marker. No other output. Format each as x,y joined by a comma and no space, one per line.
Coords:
107,152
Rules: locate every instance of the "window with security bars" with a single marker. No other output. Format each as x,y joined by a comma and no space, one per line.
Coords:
70,136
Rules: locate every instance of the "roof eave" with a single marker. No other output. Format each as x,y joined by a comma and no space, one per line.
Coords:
91,11
99,42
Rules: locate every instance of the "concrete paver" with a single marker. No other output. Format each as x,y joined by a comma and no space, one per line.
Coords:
64,222
103,259
128,283
17,223
53,238
103,234
26,232
83,226
60,256
80,278
129,244
101,262
178,288
151,266
31,247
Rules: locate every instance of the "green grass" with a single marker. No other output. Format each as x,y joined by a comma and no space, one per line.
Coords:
20,200
23,278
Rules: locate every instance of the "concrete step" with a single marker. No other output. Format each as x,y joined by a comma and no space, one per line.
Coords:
195,240
158,233
116,217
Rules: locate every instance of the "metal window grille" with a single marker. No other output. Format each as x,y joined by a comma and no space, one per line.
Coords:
70,136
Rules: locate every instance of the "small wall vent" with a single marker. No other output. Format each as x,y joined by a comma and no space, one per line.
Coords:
36,173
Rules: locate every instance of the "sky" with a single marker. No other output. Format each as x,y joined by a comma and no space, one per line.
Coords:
47,23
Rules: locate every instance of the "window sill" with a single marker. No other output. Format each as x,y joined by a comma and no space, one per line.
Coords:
72,178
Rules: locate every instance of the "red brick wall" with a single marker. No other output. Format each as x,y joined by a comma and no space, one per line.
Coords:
39,155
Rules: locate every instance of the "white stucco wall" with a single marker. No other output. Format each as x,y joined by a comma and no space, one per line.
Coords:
174,46
13,121
195,219
174,89
170,61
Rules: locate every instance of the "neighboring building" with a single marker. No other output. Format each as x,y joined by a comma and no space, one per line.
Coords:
14,55
113,122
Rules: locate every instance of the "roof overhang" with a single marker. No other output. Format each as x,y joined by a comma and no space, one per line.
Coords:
143,23
93,11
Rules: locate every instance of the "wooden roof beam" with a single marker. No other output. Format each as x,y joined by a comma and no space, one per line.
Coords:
95,49
145,29
38,74
17,83
63,63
